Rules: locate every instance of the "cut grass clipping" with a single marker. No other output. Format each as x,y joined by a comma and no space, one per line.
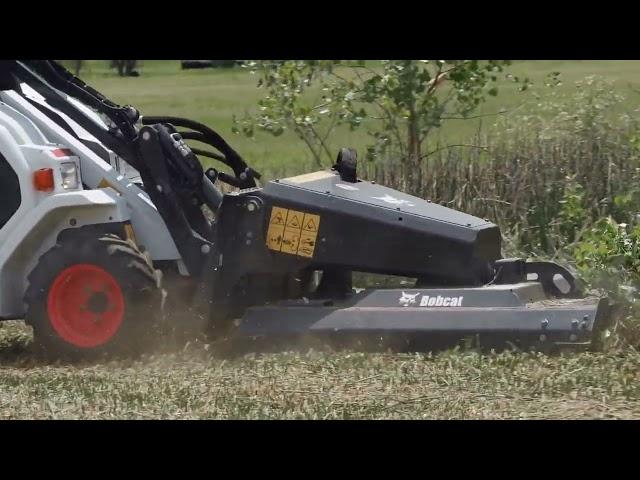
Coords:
193,383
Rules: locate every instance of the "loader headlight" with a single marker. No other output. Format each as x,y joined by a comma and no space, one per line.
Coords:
70,176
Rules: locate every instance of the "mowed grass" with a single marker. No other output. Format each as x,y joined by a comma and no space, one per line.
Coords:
192,382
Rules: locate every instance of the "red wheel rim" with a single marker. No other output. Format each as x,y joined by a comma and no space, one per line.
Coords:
85,305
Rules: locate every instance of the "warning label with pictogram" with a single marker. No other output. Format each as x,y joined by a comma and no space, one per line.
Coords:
276,228
274,238
294,219
310,223
293,232
290,241
307,244
278,216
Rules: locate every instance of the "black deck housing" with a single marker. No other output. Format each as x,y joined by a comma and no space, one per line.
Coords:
363,227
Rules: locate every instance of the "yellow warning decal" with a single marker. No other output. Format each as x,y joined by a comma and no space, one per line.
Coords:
293,232
290,241
306,245
310,223
294,219
278,216
276,228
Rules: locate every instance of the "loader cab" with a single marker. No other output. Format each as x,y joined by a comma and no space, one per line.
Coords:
9,81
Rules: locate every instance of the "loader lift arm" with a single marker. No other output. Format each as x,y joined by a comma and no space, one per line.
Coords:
171,172
122,138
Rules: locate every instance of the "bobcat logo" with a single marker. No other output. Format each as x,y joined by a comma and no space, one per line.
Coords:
408,299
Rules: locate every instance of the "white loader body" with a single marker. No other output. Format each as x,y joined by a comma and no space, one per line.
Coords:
31,141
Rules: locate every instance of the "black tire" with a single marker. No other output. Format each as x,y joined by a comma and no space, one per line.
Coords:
137,300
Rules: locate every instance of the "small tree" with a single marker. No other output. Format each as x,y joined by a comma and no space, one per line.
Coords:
401,102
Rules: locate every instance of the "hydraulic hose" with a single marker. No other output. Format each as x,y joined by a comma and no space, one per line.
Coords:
234,160
207,153
213,196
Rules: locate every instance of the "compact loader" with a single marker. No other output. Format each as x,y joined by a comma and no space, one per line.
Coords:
110,227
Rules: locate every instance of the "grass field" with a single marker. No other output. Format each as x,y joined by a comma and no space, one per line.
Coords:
195,381
213,96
